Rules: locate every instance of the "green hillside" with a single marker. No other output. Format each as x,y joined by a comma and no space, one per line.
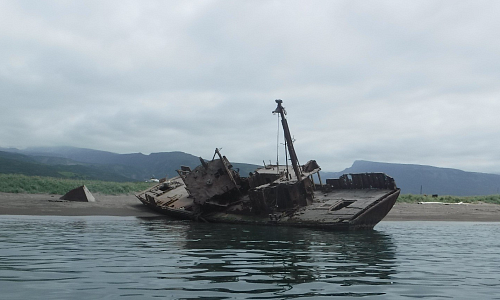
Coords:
20,164
78,163
14,166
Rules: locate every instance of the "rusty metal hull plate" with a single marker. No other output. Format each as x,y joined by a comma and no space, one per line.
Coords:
344,209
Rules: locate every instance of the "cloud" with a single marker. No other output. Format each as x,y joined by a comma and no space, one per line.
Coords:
408,82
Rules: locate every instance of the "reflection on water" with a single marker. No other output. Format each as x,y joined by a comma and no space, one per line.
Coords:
110,257
285,257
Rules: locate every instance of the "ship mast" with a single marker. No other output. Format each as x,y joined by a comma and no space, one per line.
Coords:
288,138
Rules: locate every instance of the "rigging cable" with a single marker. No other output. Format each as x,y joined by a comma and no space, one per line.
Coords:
278,145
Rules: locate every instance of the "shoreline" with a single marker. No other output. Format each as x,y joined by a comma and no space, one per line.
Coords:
130,206
50,205
451,212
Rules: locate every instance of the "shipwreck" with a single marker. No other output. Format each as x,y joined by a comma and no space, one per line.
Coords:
275,195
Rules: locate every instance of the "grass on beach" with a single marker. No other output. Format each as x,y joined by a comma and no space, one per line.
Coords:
14,183
409,198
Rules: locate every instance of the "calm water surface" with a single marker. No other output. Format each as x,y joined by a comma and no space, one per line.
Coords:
130,258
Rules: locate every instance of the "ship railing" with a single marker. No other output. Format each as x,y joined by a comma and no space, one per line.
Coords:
362,181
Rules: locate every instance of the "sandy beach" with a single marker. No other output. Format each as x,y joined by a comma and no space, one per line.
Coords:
129,205
444,212
47,205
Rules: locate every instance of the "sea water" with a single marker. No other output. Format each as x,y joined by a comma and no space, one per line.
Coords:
132,258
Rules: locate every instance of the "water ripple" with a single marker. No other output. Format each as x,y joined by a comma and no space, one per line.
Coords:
112,257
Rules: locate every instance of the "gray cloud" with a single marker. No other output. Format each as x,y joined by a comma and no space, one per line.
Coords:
407,82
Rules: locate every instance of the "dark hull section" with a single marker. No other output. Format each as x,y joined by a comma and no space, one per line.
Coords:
343,209
174,213
373,215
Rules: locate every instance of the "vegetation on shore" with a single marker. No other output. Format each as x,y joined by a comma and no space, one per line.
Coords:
16,183
409,198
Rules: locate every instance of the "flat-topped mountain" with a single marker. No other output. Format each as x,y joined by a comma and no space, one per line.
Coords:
412,179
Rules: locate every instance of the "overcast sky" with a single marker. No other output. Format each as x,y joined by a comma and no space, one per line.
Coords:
390,81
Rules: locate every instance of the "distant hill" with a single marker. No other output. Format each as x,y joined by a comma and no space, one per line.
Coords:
134,166
15,156
103,165
433,180
11,163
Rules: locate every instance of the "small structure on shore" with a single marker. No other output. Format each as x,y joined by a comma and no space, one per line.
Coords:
81,194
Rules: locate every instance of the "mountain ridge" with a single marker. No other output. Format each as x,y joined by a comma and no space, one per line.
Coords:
411,178
134,166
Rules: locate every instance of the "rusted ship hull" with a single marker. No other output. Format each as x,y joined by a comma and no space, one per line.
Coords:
277,195
344,207
318,217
